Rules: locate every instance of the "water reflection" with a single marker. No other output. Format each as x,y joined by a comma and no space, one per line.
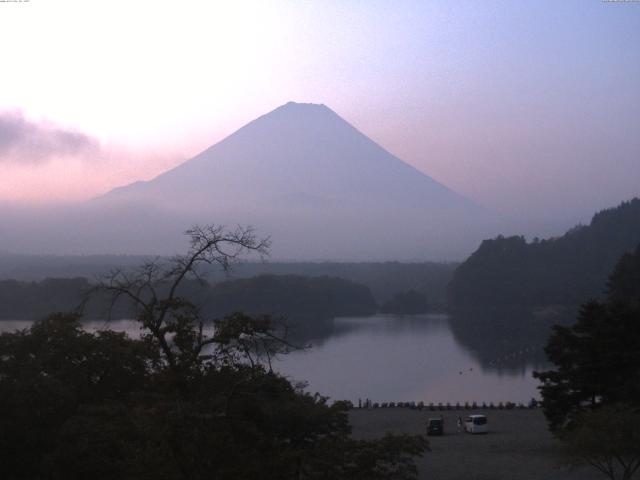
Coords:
326,330
412,358
507,340
482,356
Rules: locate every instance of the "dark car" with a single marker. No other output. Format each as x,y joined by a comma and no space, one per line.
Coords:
435,426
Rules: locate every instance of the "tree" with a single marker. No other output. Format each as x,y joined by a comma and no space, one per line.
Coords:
592,398
597,359
48,373
624,282
608,439
170,321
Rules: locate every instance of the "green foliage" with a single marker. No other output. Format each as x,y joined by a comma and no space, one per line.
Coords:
410,302
48,372
597,359
100,405
558,271
624,282
592,398
97,442
608,439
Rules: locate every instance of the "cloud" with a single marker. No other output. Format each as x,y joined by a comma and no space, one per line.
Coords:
28,142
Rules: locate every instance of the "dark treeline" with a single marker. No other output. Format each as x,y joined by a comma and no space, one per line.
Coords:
291,295
38,267
35,300
410,302
307,305
288,296
384,279
558,271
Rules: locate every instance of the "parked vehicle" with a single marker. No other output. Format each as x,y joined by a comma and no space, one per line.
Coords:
435,426
476,424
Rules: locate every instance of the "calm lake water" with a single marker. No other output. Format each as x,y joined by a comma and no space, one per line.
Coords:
411,358
401,358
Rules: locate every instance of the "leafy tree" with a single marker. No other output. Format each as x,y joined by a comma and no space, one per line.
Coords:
624,282
592,398
608,439
48,372
169,321
597,359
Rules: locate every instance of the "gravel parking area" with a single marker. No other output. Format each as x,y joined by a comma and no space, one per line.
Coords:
518,445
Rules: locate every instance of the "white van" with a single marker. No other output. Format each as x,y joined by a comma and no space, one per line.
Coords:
476,424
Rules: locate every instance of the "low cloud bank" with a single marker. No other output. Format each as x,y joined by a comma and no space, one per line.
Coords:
35,142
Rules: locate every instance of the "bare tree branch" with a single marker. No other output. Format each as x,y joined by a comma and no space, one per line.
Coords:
174,323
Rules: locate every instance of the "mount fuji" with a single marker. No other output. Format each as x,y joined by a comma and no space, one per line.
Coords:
304,176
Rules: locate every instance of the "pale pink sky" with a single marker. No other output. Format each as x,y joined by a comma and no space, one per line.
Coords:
526,107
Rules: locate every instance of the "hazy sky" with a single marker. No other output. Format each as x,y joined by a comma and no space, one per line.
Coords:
528,107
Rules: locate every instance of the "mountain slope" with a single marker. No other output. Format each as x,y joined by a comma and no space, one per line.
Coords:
297,151
301,174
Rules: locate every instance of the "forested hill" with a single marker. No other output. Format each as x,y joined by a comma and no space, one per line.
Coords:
559,271
290,296
385,279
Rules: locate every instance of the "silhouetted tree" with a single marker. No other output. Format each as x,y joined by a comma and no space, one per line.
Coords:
48,372
607,439
597,359
173,323
592,398
624,282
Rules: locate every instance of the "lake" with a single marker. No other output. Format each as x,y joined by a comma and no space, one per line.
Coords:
411,358
389,358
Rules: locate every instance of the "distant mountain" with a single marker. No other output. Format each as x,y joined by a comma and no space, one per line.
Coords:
560,271
301,174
